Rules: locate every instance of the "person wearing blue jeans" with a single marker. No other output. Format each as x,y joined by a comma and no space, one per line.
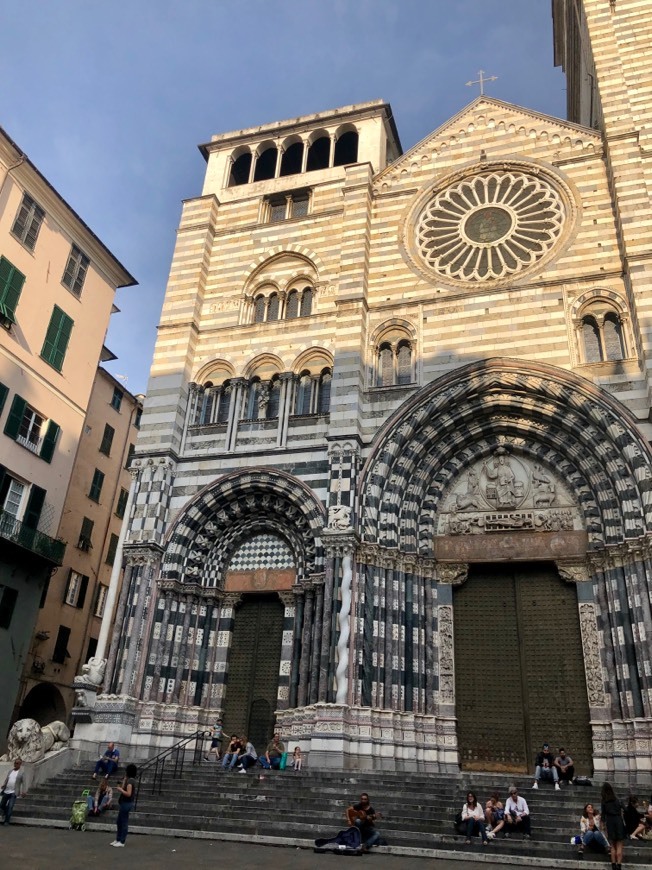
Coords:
592,836
273,755
363,816
232,753
125,804
11,788
108,763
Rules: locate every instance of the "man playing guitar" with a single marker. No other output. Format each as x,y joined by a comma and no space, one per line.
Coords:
363,816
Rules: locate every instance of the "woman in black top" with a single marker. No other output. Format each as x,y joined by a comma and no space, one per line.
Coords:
612,816
126,802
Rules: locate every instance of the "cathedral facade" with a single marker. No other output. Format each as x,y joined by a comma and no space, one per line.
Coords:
392,492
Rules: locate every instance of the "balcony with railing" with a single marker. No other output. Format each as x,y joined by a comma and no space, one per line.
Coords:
30,539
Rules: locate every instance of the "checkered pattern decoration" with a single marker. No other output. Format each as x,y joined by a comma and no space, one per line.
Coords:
546,413
262,551
236,508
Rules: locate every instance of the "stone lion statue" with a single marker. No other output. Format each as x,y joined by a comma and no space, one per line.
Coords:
92,672
27,740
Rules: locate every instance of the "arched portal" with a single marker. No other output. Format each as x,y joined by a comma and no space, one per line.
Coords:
44,703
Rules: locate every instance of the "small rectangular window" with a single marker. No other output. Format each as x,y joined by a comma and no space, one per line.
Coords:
116,399
122,503
85,535
100,601
75,272
112,549
283,206
57,338
96,485
107,440
277,209
76,589
28,222
11,285
130,455
300,205
8,598
92,648
61,653
137,418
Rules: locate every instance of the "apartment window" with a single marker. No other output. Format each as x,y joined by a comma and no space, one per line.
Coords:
8,598
57,338
112,549
100,601
12,493
61,653
28,222
11,285
107,440
138,417
130,455
284,206
122,503
85,535
116,399
4,392
75,273
27,426
20,501
96,485
92,648
76,589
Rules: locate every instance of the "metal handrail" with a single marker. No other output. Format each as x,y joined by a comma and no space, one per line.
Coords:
19,533
157,763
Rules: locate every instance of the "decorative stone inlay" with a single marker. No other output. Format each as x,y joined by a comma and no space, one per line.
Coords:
489,226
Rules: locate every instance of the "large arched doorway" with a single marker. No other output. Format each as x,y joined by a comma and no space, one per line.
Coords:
253,669
44,703
519,668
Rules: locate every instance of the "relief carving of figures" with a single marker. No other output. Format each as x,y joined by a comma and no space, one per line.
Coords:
506,491
592,663
544,488
472,497
339,516
446,655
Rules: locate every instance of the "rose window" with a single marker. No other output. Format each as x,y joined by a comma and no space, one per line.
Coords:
490,226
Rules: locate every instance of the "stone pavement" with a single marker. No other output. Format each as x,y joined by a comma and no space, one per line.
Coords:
31,848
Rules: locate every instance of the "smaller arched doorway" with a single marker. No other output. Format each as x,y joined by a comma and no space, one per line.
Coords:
44,703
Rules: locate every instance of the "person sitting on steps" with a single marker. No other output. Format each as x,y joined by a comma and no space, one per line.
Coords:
592,836
565,767
473,816
494,814
545,767
517,814
272,757
363,816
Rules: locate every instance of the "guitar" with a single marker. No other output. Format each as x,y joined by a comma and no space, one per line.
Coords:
352,815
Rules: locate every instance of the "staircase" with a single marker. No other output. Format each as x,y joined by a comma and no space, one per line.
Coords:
295,808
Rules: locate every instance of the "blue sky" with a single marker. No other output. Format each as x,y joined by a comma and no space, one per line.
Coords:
110,99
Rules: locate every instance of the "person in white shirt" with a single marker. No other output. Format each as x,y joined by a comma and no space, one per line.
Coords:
517,814
473,816
11,788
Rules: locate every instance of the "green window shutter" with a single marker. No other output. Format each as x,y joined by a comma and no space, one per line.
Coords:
96,485
122,503
4,392
57,338
34,507
83,587
85,542
16,414
11,285
112,549
49,441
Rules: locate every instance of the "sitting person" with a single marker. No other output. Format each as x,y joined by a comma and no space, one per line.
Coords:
494,814
565,767
592,836
473,815
633,818
296,758
363,816
108,763
232,753
102,799
517,814
274,753
545,767
248,755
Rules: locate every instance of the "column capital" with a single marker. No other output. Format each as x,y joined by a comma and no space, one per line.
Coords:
454,573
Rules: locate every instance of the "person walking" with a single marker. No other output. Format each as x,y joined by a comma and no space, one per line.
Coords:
125,804
11,788
612,815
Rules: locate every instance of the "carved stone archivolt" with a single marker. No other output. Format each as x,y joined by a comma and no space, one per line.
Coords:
591,647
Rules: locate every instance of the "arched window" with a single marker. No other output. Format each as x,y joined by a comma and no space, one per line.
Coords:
252,399
224,403
319,154
240,170
274,398
602,335
265,164
346,149
292,307
404,363
303,395
259,309
324,398
272,307
385,366
306,302
292,159
205,409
